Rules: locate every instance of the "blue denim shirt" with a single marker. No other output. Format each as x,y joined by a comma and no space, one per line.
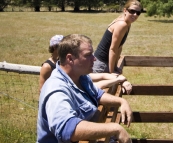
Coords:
62,105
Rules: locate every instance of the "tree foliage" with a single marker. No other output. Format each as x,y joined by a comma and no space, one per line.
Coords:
152,7
161,8
76,4
4,4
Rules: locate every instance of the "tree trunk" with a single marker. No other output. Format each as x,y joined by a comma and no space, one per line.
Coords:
1,9
37,8
76,8
49,8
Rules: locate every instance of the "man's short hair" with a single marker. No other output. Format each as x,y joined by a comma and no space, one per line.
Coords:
71,44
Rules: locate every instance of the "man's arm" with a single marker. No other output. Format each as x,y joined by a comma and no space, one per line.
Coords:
110,100
90,130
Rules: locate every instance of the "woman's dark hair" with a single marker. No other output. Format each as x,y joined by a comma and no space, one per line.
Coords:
52,48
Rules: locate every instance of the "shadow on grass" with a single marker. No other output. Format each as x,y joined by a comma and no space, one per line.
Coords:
72,11
162,21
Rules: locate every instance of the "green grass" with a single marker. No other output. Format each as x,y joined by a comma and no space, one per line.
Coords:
24,39
25,35
18,107
9,133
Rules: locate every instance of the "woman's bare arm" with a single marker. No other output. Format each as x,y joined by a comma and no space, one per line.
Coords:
45,73
102,76
118,31
109,82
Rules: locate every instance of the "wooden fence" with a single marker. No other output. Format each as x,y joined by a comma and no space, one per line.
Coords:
111,114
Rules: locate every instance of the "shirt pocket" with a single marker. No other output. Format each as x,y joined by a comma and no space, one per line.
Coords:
85,107
86,111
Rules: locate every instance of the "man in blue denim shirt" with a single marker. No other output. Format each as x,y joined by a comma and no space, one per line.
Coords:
69,99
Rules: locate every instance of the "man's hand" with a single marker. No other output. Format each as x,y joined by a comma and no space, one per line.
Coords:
111,100
122,136
126,113
90,130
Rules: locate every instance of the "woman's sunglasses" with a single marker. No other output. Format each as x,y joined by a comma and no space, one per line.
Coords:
132,11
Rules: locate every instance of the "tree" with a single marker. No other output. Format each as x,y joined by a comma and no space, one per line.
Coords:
4,4
48,3
92,4
56,3
158,7
37,5
76,5
62,4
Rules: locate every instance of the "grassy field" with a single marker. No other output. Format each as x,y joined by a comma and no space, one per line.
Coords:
25,36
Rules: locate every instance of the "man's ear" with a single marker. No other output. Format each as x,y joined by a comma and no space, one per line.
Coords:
124,10
69,58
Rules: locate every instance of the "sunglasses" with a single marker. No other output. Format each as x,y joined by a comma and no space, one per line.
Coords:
132,11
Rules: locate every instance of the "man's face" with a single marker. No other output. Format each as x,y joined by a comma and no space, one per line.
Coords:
85,61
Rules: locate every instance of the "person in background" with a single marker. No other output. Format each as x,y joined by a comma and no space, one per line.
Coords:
102,80
69,99
105,80
49,65
110,47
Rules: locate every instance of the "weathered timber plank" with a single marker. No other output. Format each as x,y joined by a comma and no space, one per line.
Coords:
152,90
147,61
152,140
18,68
150,117
143,141
112,114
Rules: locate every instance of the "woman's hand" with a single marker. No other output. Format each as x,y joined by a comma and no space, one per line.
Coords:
118,70
127,87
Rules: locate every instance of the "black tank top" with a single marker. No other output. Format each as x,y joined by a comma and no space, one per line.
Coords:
53,66
102,51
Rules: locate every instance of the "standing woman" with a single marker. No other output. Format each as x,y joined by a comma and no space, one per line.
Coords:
49,65
110,47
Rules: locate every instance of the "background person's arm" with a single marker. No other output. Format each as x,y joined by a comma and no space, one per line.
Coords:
109,82
118,31
103,80
102,76
45,73
127,87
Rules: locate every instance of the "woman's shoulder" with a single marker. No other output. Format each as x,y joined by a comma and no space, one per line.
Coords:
120,26
118,23
49,64
46,66
121,22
